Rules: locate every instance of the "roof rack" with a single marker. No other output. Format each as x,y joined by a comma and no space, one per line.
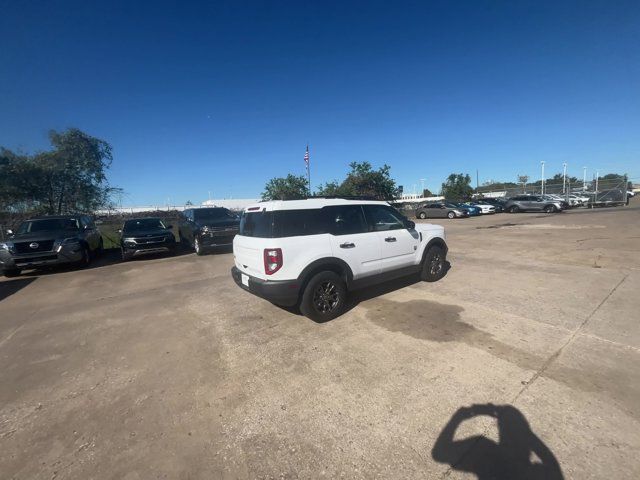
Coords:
345,197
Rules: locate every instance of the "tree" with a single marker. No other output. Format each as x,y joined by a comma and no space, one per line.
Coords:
427,193
457,187
363,180
188,203
291,187
69,178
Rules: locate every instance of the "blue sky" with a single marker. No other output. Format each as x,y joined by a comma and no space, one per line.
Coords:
222,96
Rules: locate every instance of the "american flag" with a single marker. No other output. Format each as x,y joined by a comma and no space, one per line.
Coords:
306,157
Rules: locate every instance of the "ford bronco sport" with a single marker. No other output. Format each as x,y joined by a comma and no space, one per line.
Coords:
310,253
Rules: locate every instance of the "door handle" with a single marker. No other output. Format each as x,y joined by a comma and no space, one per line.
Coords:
390,239
347,245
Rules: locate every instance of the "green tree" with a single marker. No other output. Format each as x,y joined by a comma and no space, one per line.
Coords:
363,180
457,187
69,178
427,193
291,187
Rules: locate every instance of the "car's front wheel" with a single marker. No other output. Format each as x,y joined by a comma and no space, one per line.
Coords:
422,215
324,297
514,209
451,215
550,209
85,261
434,264
197,246
126,256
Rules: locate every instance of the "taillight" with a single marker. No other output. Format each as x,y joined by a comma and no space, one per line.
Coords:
272,260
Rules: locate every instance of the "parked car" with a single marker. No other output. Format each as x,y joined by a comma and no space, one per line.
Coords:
496,205
557,199
440,210
531,203
485,208
473,211
310,253
205,228
50,240
145,236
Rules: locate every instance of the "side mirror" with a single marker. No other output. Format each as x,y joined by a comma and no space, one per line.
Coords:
9,231
410,225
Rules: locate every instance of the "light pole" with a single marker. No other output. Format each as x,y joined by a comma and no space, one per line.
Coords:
422,183
584,179
542,180
564,178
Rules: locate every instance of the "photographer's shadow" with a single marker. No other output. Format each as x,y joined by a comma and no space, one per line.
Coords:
519,454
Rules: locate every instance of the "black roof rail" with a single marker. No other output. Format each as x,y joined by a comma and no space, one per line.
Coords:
347,197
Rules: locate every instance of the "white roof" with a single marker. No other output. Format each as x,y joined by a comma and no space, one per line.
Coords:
309,203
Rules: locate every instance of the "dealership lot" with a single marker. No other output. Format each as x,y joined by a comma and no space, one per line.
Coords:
164,368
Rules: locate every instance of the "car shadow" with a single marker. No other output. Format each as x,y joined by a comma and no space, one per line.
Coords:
9,287
358,296
519,453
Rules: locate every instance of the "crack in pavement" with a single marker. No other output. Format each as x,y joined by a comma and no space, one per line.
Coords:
541,370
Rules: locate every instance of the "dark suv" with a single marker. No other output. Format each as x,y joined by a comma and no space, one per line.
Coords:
145,236
205,228
50,240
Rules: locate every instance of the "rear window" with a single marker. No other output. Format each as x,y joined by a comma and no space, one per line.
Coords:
283,223
256,224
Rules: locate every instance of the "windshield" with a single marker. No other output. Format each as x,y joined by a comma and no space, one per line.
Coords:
212,214
48,225
142,224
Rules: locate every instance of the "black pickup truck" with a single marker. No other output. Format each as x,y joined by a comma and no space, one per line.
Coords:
50,240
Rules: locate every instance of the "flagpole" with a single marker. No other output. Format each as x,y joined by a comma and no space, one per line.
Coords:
308,162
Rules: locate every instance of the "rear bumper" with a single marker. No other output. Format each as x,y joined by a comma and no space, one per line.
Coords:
280,292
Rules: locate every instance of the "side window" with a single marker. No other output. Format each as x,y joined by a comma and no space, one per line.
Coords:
90,222
434,205
345,220
381,218
84,223
294,223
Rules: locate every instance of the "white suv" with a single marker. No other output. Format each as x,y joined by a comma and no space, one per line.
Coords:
311,252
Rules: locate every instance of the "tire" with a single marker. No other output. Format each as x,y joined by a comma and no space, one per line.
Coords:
99,250
324,298
197,246
422,215
14,272
85,261
550,209
433,265
451,215
514,209
125,256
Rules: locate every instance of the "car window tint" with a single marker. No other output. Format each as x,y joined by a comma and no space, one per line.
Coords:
256,224
293,223
381,218
345,220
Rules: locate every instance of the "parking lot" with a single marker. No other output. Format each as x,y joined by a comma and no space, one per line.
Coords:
527,353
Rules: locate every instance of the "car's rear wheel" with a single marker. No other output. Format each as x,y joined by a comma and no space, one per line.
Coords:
550,209
422,215
324,297
12,272
451,215
514,209
434,264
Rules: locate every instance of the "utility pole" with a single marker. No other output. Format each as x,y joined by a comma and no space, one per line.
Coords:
542,179
422,183
584,179
564,178
477,182
597,175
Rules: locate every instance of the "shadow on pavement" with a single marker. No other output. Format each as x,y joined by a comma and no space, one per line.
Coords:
519,453
10,287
